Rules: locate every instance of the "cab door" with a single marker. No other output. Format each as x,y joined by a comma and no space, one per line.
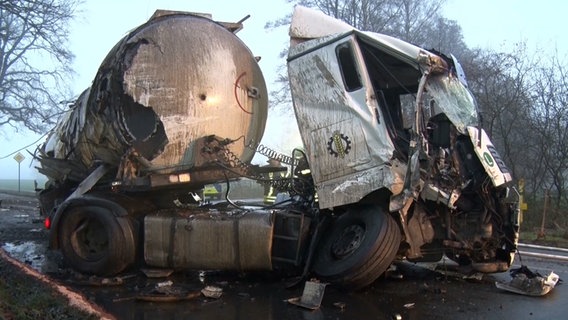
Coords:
337,115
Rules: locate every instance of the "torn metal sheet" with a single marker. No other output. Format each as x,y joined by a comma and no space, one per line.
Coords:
529,283
311,296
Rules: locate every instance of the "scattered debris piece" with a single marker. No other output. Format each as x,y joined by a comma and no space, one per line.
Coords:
243,294
409,305
157,273
311,297
165,284
529,283
340,305
393,272
397,316
212,292
165,292
152,297
476,276
79,279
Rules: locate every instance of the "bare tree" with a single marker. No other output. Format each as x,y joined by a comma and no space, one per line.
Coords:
500,83
34,60
523,98
445,36
550,118
404,19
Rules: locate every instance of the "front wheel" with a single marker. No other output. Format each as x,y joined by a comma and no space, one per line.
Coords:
95,241
359,247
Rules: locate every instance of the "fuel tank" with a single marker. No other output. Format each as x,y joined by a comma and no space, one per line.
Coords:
175,79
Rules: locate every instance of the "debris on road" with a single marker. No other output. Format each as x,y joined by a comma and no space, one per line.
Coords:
163,292
529,283
157,273
311,296
212,292
340,305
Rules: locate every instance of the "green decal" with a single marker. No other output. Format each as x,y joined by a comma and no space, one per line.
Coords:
488,159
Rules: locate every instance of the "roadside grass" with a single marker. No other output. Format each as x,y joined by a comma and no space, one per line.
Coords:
22,297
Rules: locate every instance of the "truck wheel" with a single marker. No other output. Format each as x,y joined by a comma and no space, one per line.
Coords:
359,247
95,241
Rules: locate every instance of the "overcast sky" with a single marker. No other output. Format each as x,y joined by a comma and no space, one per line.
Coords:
485,23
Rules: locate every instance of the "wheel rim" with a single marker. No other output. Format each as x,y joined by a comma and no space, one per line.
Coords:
348,242
89,240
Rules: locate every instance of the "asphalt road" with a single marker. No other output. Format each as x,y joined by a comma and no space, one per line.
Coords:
419,294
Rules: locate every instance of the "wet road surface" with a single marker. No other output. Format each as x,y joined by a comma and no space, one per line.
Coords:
420,294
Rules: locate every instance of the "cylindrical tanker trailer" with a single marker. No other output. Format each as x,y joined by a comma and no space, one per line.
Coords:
168,83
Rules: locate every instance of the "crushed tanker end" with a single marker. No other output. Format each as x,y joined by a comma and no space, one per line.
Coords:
163,88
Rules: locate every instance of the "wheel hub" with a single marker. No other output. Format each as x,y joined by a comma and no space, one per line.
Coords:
89,240
348,242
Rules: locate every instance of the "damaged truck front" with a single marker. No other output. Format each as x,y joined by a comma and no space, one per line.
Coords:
394,164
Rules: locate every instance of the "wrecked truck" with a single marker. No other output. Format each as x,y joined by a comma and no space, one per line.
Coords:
394,163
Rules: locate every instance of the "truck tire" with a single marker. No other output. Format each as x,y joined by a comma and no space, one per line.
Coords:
95,241
359,246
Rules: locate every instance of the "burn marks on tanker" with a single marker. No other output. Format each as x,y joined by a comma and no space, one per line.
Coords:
131,50
138,124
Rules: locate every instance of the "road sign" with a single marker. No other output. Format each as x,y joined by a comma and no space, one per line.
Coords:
19,157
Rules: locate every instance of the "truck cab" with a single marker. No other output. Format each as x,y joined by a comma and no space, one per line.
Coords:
392,130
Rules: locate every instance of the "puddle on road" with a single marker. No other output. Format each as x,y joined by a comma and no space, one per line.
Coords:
34,254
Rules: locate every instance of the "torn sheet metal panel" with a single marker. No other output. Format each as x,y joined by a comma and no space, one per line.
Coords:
312,295
529,283
160,89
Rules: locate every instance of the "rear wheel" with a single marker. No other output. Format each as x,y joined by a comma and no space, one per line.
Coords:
95,241
359,247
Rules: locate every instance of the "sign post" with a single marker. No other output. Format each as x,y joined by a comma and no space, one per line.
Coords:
19,158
